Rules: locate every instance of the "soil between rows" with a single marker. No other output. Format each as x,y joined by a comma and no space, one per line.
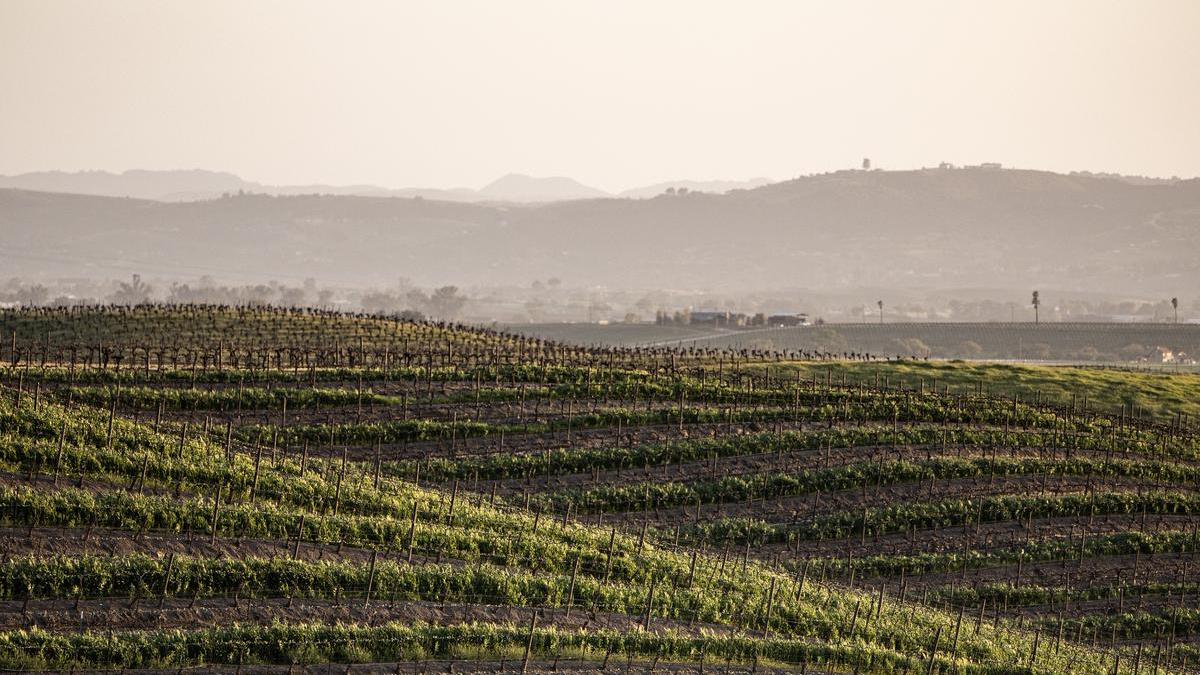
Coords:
65,615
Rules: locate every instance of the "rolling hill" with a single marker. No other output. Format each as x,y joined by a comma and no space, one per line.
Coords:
962,228
210,489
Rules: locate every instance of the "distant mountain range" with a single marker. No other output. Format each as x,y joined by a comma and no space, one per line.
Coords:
931,229
199,184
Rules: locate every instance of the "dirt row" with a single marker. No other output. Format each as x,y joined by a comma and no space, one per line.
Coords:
772,462
982,537
46,541
63,614
502,412
537,666
1153,603
522,443
536,442
1090,571
793,509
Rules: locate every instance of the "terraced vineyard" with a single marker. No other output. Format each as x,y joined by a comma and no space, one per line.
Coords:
265,490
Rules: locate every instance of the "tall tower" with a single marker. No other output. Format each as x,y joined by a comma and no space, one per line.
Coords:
866,165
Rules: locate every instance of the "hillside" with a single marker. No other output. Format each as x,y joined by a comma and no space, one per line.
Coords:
932,229
209,489
516,187
1021,340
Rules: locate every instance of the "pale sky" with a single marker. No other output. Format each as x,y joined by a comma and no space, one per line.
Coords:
615,94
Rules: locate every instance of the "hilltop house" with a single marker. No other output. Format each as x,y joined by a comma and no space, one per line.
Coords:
787,320
1168,355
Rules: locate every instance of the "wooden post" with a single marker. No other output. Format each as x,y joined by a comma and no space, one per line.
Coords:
254,483
216,513
957,628
112,414
299,536
933,652
529,642
571,588
649,605
370,579
337,492
167,578
62,437
412,532
612,538
770,607
1037,639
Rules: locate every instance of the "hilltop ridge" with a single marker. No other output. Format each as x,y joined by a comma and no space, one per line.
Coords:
934,228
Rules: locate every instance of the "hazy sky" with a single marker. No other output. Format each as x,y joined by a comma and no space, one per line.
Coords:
612,93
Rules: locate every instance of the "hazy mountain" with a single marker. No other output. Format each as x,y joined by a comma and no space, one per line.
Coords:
715,186
516,187
134,183
931,229
197,184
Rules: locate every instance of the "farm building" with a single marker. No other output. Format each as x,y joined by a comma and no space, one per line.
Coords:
787,320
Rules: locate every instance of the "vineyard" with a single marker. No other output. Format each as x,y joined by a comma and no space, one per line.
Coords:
1070,342
262,490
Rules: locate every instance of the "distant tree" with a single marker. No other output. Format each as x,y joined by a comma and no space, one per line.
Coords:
258,295
135,292
969,349
1134,351
292,297
379,301
445,302
1175,306
912,347
1037,302
880,304
33,295
180,293
1038,350
417,298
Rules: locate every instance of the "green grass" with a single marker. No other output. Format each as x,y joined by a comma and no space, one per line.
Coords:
1161,395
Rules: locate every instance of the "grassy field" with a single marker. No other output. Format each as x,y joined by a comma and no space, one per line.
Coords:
1161,394
1075,342
615,334
220,490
